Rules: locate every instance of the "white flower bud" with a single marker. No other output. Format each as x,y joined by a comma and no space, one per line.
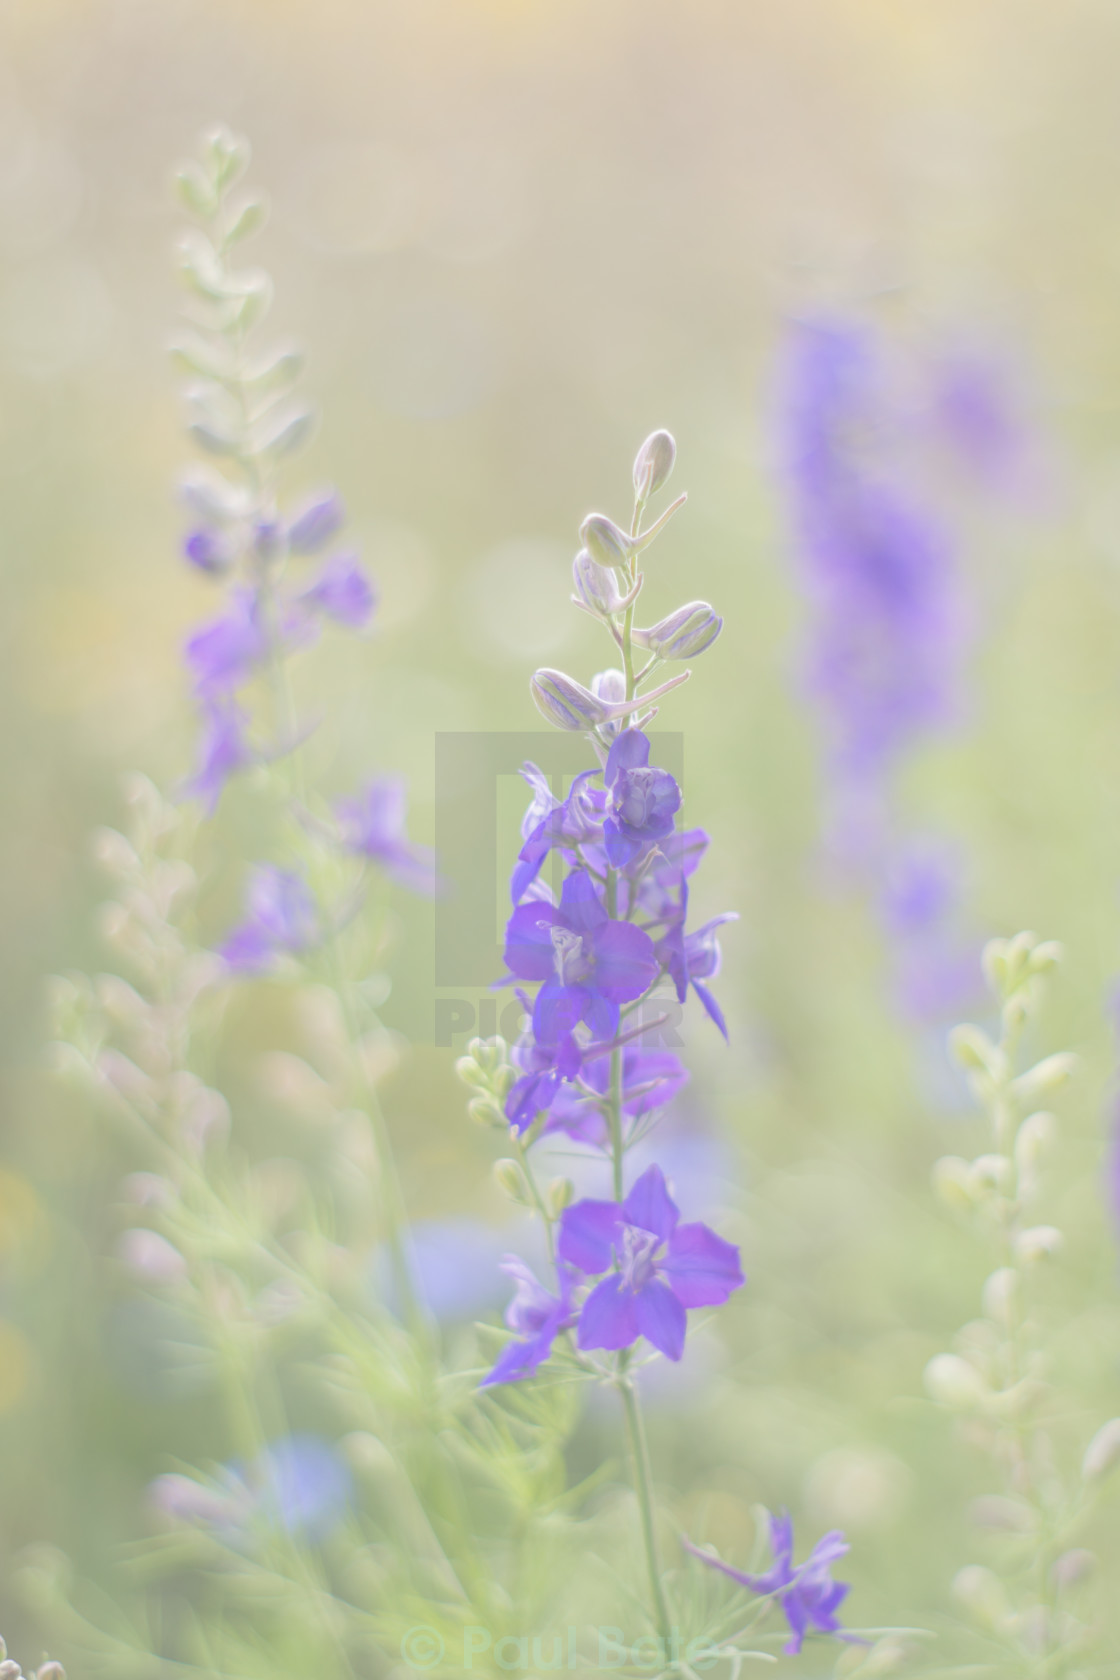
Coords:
512,1182
596,585
653,464
987,1175
982,1594
1040,1242
1034,1137
1045,1076
605,541
565,702
1102,1452
953,1382
151,1256
950,1179
561,1194
971,1048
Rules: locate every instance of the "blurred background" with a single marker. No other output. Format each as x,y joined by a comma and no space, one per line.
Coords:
514,237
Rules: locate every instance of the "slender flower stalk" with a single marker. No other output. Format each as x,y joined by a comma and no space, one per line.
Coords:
1032,1604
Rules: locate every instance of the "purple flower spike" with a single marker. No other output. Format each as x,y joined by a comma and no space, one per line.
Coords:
537,1318
643,802
343,592
650,1080
589,964
373,825
808,1595
281,917
663,1267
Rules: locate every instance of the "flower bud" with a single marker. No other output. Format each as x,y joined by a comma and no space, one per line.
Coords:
684,634
486,1111
605,541
653,464
1033,1139
1072,1567
512,1182
595,585
950,1178
316,523
151,1256
973,1050
226,154
561,1194
471,1074
1045,1076
565,702
954,1382
50,1671
10,1669
1102,1452
981,1592
1007,1516
987,1174
1040,1242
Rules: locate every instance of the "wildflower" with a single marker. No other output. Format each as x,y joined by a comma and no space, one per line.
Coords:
343,592
589,963
282,917
316,523
222,654
373,825
663,1267
643,802
225,750
537,1318
208,549
691,958
547,1067
575,821
650,1080
807,1593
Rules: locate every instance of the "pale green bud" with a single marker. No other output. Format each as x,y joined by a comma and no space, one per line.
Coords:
196,190
1072,1568
512,1182
653,464
606,542
1040,1242
950,1179
1045,1076
561,1194
471,1074
284,433
486,1111
971,1048
684,634
987,1175
248,218
982,1594
227,154
489,1053
1007,1516
1033,1139
1102,1453
953,1382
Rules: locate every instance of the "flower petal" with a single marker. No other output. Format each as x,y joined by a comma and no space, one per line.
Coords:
661,1318
702,1268
711,1006
580,908
609,1318
529,950
629,751
650,1205
557,1010
587,1233
625,962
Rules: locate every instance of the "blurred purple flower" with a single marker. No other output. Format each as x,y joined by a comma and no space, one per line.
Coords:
663,1267
281,917
588,963
373,825
536,1317
316,522
343,592
208,549
302,1484
224,750
978,410
650,1079
808,1595
222,654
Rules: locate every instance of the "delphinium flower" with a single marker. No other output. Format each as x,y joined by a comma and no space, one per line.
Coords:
808,1595
889,620
608,960
1031,1604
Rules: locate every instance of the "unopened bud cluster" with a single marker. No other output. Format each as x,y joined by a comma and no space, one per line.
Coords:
488,1074
11,1670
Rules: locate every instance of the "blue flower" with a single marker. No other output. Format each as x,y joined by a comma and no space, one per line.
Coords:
642,802
807,1593
549,823
342,591
282,917
373,825
662,1267
589,964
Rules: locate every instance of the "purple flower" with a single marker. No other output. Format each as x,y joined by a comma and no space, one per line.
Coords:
691,958
643,802
208,549
303,1485
373,825
589,964
281,917
663,1267
537,1318
549,823
650,1080
222,654
343,592
547,1066
316,523
808,1595
225,750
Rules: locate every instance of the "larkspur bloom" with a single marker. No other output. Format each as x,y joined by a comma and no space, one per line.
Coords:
224,750
663,1267
587,962
342,592
282,917
651,1078
642,801
373,826
807,1593
537,1318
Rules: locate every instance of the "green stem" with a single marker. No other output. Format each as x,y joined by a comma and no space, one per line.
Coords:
643,1487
